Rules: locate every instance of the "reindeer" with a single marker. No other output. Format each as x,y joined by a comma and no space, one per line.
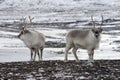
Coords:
88,39
34,40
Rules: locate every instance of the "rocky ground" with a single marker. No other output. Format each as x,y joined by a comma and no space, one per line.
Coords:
59,70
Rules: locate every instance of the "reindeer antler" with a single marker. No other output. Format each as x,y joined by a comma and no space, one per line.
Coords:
30,19
23,23
101,21
23,19
93,21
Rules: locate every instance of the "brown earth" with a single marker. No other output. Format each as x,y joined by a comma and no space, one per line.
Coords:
59,70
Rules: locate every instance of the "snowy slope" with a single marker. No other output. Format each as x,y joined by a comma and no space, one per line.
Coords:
60,10
28,4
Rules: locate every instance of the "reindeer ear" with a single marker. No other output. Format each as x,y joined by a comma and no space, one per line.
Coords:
101,29
23,28
93,30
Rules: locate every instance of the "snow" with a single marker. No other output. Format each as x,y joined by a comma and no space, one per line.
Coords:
49,11
27,4
14,50
62,10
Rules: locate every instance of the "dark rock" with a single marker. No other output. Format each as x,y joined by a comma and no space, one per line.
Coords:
59,70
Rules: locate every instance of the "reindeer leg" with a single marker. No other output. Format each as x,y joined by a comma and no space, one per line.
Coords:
31,55
74,52
41,52
38,54
68,47
90,54
35,52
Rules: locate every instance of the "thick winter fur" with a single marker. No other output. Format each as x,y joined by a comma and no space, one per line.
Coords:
34,40
88,39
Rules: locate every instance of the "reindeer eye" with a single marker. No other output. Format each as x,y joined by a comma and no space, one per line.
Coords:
22,32
96,32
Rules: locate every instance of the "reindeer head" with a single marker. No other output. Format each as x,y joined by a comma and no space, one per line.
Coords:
23,29
97,31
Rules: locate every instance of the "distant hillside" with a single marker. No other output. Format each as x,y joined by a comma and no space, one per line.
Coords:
58,10
56,4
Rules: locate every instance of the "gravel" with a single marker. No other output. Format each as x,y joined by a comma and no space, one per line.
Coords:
59,70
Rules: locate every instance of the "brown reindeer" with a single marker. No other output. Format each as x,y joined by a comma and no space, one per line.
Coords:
34,40
88,39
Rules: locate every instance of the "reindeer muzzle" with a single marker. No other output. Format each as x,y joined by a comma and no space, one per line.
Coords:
96,35
18,36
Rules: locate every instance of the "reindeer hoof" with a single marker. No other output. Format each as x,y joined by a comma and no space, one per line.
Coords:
92,61
31,60
65,60
40,59
77,60
90,64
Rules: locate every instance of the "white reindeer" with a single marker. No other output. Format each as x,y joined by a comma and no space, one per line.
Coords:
88,39
34,40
